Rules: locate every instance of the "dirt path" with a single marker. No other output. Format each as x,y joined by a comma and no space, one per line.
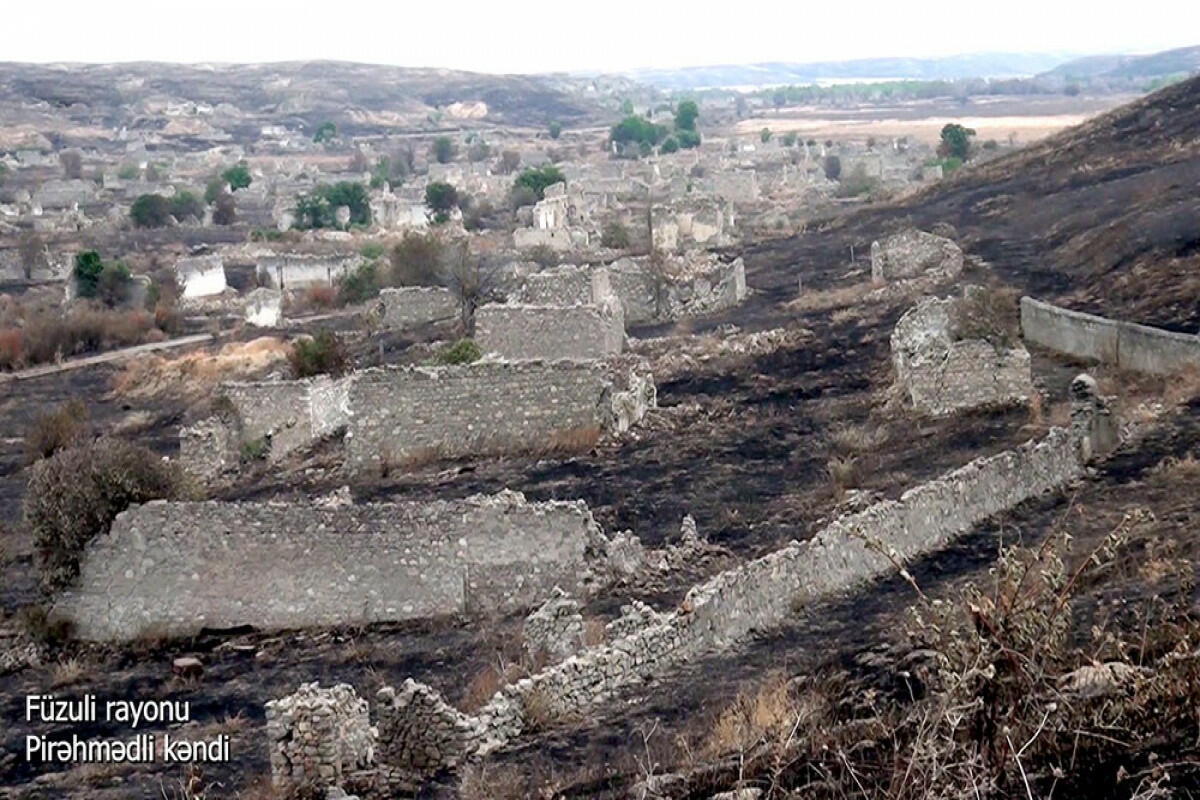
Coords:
110,356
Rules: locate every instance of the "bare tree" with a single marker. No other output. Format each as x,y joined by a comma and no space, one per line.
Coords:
471,278
32,251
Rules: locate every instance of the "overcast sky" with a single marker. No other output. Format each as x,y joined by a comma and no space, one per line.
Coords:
606,35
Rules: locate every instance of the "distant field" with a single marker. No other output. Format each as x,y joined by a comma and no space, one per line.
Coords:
1024,119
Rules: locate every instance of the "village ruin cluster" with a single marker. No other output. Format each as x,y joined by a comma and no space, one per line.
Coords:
409,438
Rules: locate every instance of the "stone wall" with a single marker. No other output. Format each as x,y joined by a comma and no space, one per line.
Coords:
564,286
316,736
941,375
527,332
298,271
910,253
201,276
179,567
411,306
749,599
683,286
485,408
281,412
264,308
1130,346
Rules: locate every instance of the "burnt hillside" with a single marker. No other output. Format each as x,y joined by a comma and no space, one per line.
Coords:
1104,217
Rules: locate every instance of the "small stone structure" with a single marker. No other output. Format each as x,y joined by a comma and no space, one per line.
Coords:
1139,348
201,276
288,271
911,253
687,285
527,332
756,596
412,306
316,736
941,375
178,567
555,628
565,285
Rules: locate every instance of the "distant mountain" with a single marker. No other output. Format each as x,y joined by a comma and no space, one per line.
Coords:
974,65
1181,61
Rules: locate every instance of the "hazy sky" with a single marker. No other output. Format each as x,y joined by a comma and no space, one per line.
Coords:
536,35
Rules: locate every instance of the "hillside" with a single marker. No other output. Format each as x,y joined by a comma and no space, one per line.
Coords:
1102,217
1180,61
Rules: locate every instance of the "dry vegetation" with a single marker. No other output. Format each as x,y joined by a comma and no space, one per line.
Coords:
195,374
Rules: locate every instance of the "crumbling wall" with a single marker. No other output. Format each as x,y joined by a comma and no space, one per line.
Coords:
264,308
402,413
526,332
685,285
201,276
288,415
763,593
411,306
941,375
911,252
1138,348
555,628
177,567
316,736
565,285
208,448
297,270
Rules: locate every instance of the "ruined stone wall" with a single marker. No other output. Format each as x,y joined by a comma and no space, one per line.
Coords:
316,736
411,306
178,567
687,285
478,409
289,415
297,271
942,375
567,285
1130,346
911,252
201,276
527,332
754,597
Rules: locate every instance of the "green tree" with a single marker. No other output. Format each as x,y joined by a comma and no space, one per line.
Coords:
88,266
688,139
686,115
555,129
318,209
214,189
789,139
765,135
417,260
956,141
237,176
150,211
441,199
627,107
669,145
536,180
185,204
443,149
326,132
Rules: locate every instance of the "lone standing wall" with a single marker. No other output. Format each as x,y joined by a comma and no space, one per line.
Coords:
579,333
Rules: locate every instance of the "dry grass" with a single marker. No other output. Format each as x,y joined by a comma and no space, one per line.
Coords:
46,336
857,439
196,374
1182,468
538,709
572,441
767,712
491,679
837,297
67,673
1182,387
594,633
843,472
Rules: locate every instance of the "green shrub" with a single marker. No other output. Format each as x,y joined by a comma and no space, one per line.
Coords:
614,235
238,177
464,351
255,449
360,285
323,354
88,267
669,145
555,129
74,496
128,172
112,288
372,250
150,211
688,139
443,149
539,179
326,132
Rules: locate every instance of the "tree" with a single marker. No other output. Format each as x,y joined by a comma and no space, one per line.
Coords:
537,180
627,107
214,189
779,98
956,141
765,135
318,209
150,211
789,139
510,160
669,145
185,204
32,251
686,115
478,151
224,209
833,167
443,149
112,288
555,129
637,130
615,235
237,176
88,266
688,139
441,199
416,260
72,164
326,132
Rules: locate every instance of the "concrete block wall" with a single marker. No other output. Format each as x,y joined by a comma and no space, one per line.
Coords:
411,306
177,567
528,332
1139,348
